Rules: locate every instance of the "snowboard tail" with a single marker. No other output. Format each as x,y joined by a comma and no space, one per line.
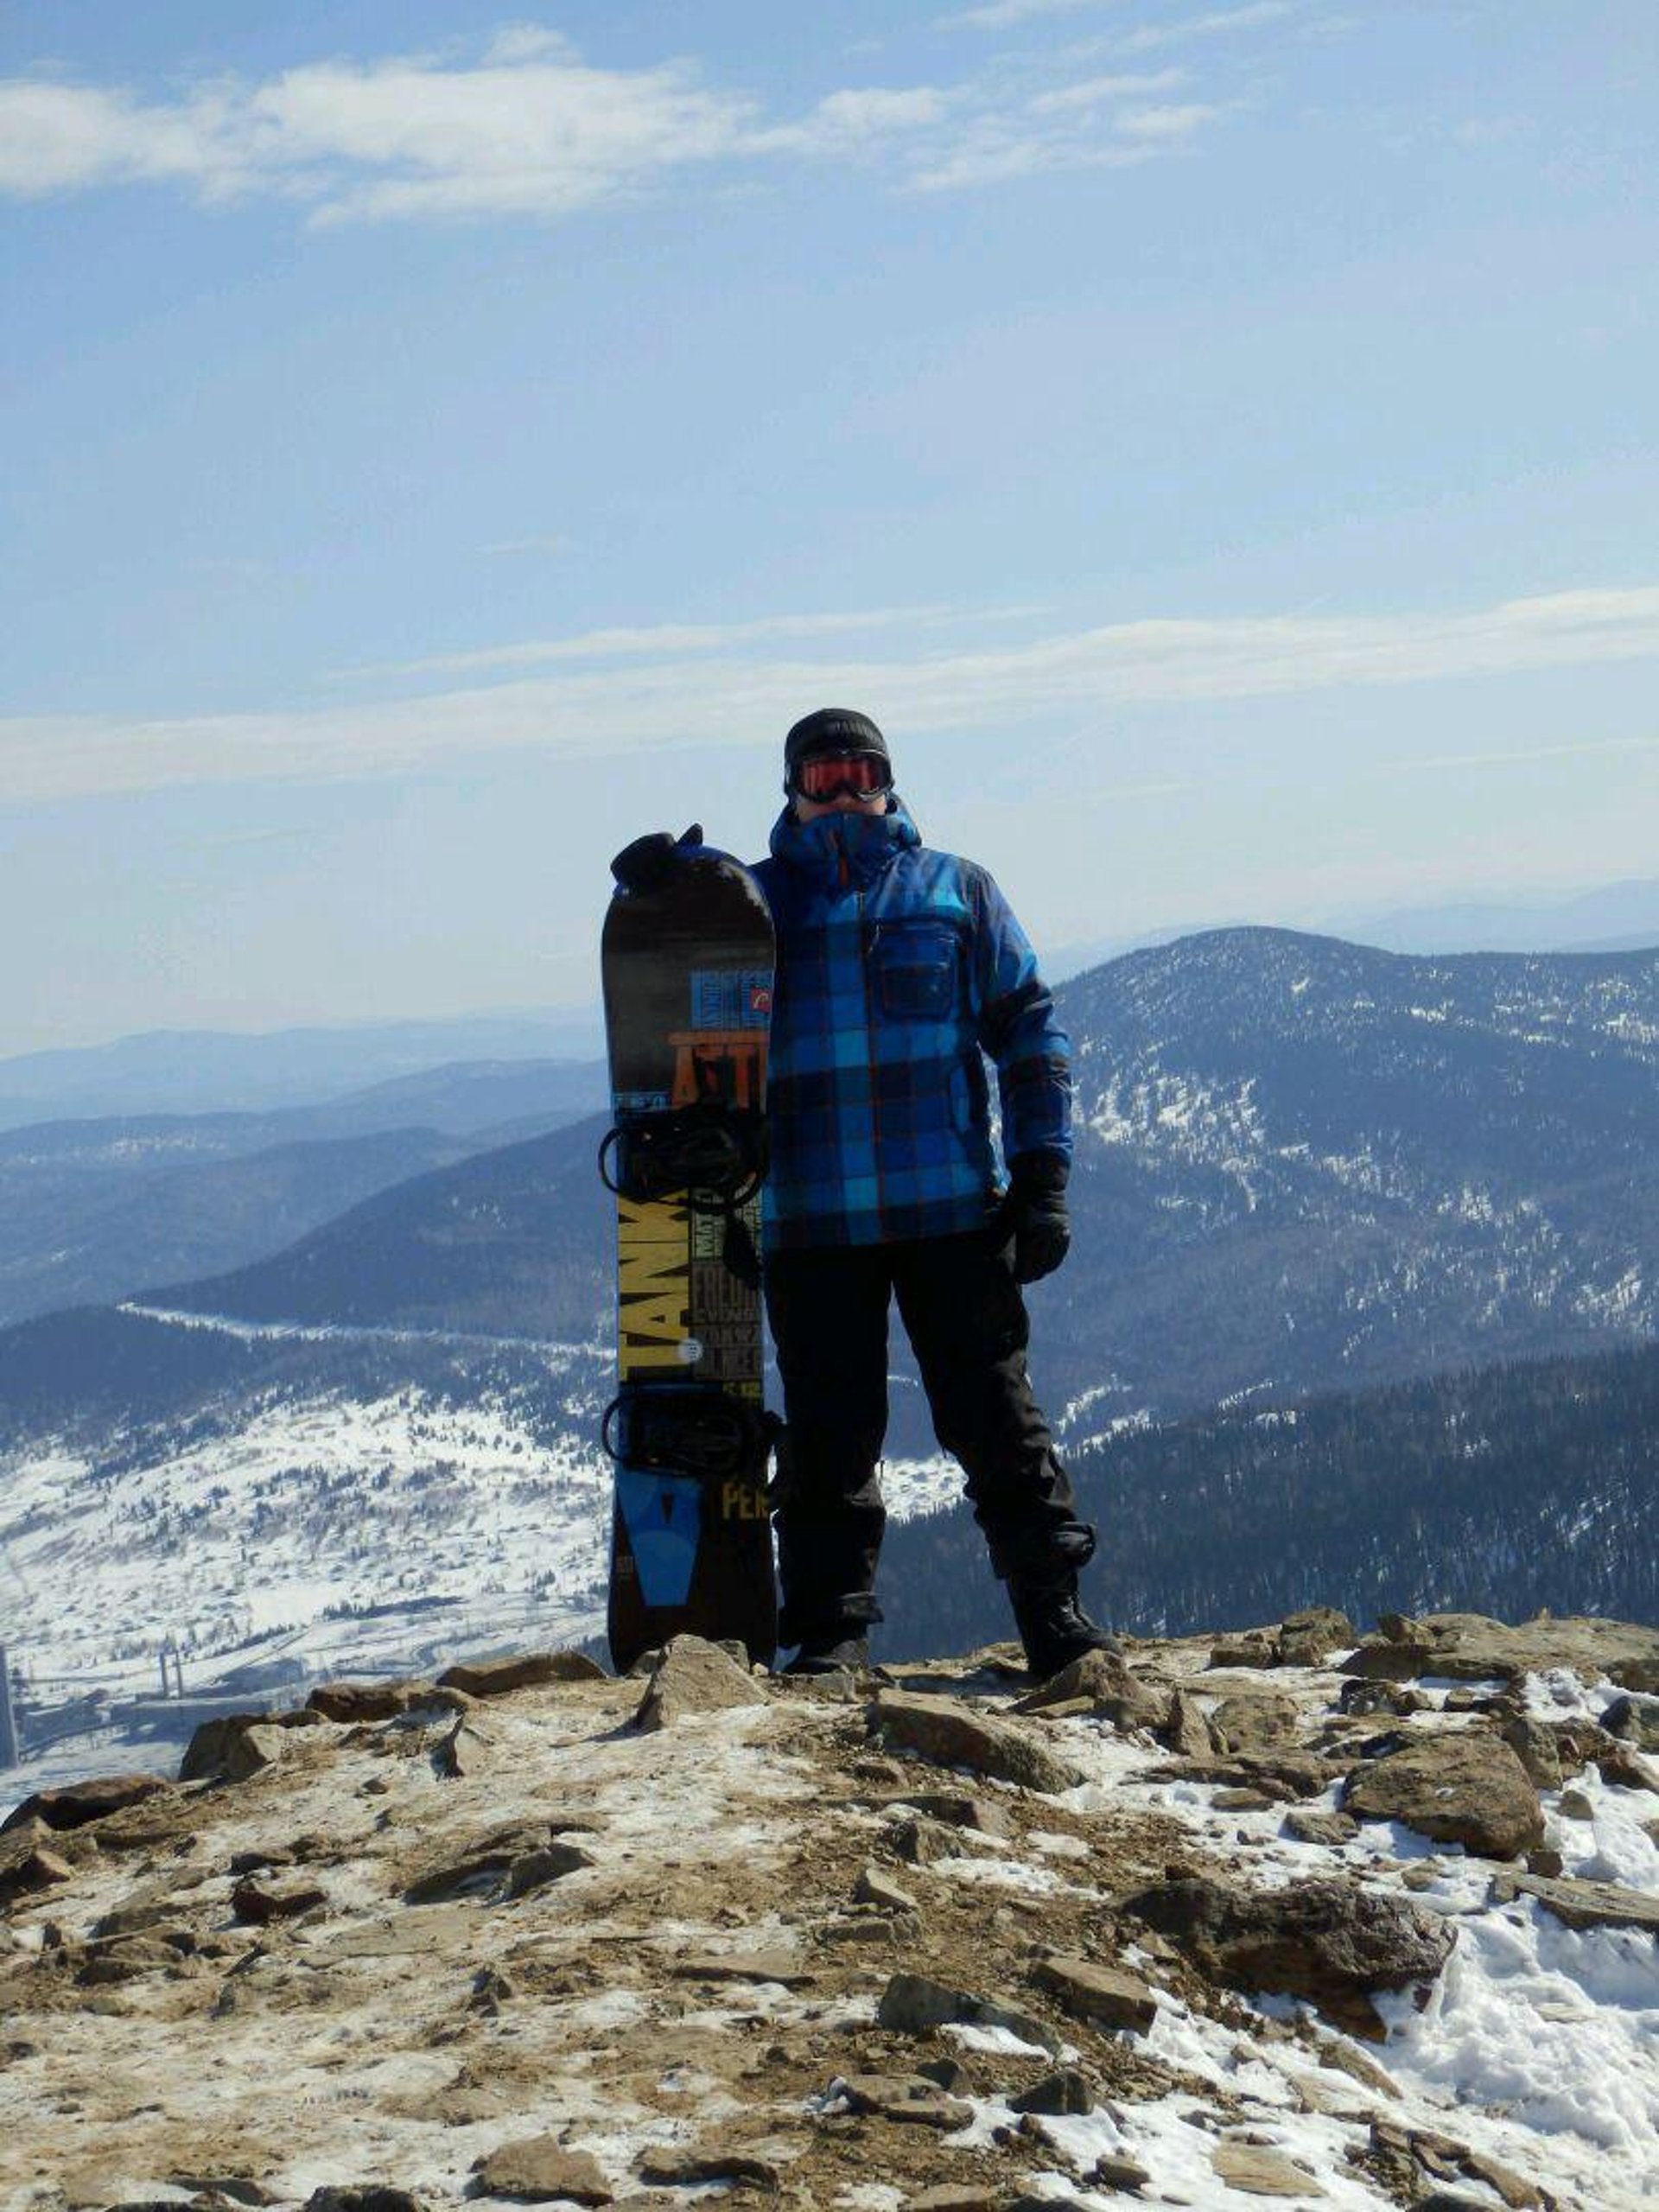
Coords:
688,970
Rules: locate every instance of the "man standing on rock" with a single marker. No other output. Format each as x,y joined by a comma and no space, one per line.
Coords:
898,970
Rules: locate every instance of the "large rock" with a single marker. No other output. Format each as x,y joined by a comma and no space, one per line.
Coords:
1534,1744
1109,1996
1470,1647
1063,2092
958,1808
1636,1719
912,2005
1255,2170
694,1676
1455,1788
1580,1903
462,1752
1308,1639
1331,1942
356,1702
672,2167
1101,1683
27,1873
1186,1732
1253,1724
235,1746
521,1670
540,2170
1255,1648
951,1735
1310,1824
910,2099
81,1803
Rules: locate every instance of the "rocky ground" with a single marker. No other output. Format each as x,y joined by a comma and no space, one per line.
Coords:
1283,1917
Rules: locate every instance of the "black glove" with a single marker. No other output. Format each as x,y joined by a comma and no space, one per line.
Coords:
1032,1216
648,862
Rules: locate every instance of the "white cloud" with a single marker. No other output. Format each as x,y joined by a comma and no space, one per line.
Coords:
63,137
1097,92
1004,15
998,149
656,641
528,129
526,42
711,699
1167,122
1150,36
848,122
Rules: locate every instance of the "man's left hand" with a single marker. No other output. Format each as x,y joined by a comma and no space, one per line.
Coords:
1033,1216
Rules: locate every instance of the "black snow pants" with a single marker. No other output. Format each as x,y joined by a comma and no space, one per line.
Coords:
968,1325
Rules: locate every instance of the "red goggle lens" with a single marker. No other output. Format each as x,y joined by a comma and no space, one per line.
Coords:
827,775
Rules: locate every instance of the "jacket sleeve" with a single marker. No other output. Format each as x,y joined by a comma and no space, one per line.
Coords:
1019,1028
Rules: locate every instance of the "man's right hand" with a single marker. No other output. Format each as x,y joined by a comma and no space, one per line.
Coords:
648,862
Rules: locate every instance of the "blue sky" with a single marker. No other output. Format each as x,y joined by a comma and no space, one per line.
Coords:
1217,443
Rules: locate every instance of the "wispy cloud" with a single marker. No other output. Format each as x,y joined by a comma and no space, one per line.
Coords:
512,548
656,640
1096,92
1151,124
1149,37
1519,756
527,129
1007,15
736,697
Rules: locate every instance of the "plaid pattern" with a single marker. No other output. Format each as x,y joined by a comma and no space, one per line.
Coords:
898,969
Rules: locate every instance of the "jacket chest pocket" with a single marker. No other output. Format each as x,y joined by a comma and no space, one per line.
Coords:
915,969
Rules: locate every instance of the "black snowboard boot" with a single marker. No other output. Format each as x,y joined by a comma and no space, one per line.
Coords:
837,1651
1053,1626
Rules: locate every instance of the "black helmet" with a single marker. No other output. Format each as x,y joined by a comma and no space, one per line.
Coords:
831,729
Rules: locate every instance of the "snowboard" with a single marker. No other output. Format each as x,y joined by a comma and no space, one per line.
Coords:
688,976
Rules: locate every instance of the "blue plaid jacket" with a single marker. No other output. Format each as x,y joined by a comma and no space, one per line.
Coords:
898,971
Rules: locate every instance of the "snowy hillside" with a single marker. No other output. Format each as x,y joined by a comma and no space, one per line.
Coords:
442,1497
1305,1165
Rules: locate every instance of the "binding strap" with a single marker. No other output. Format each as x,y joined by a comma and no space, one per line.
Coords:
710,1157
694,1429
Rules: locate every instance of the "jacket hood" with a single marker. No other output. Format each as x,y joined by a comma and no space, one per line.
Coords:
842,849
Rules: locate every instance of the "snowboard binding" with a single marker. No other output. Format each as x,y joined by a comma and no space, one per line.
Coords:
711,1157
691,1429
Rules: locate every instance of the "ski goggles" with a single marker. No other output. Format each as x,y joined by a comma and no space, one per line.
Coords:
825,776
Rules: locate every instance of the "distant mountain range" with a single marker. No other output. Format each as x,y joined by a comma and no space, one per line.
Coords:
1614,918
1302,1166
91,1209
211,1071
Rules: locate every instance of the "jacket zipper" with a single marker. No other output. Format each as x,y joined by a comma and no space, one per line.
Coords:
867,963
